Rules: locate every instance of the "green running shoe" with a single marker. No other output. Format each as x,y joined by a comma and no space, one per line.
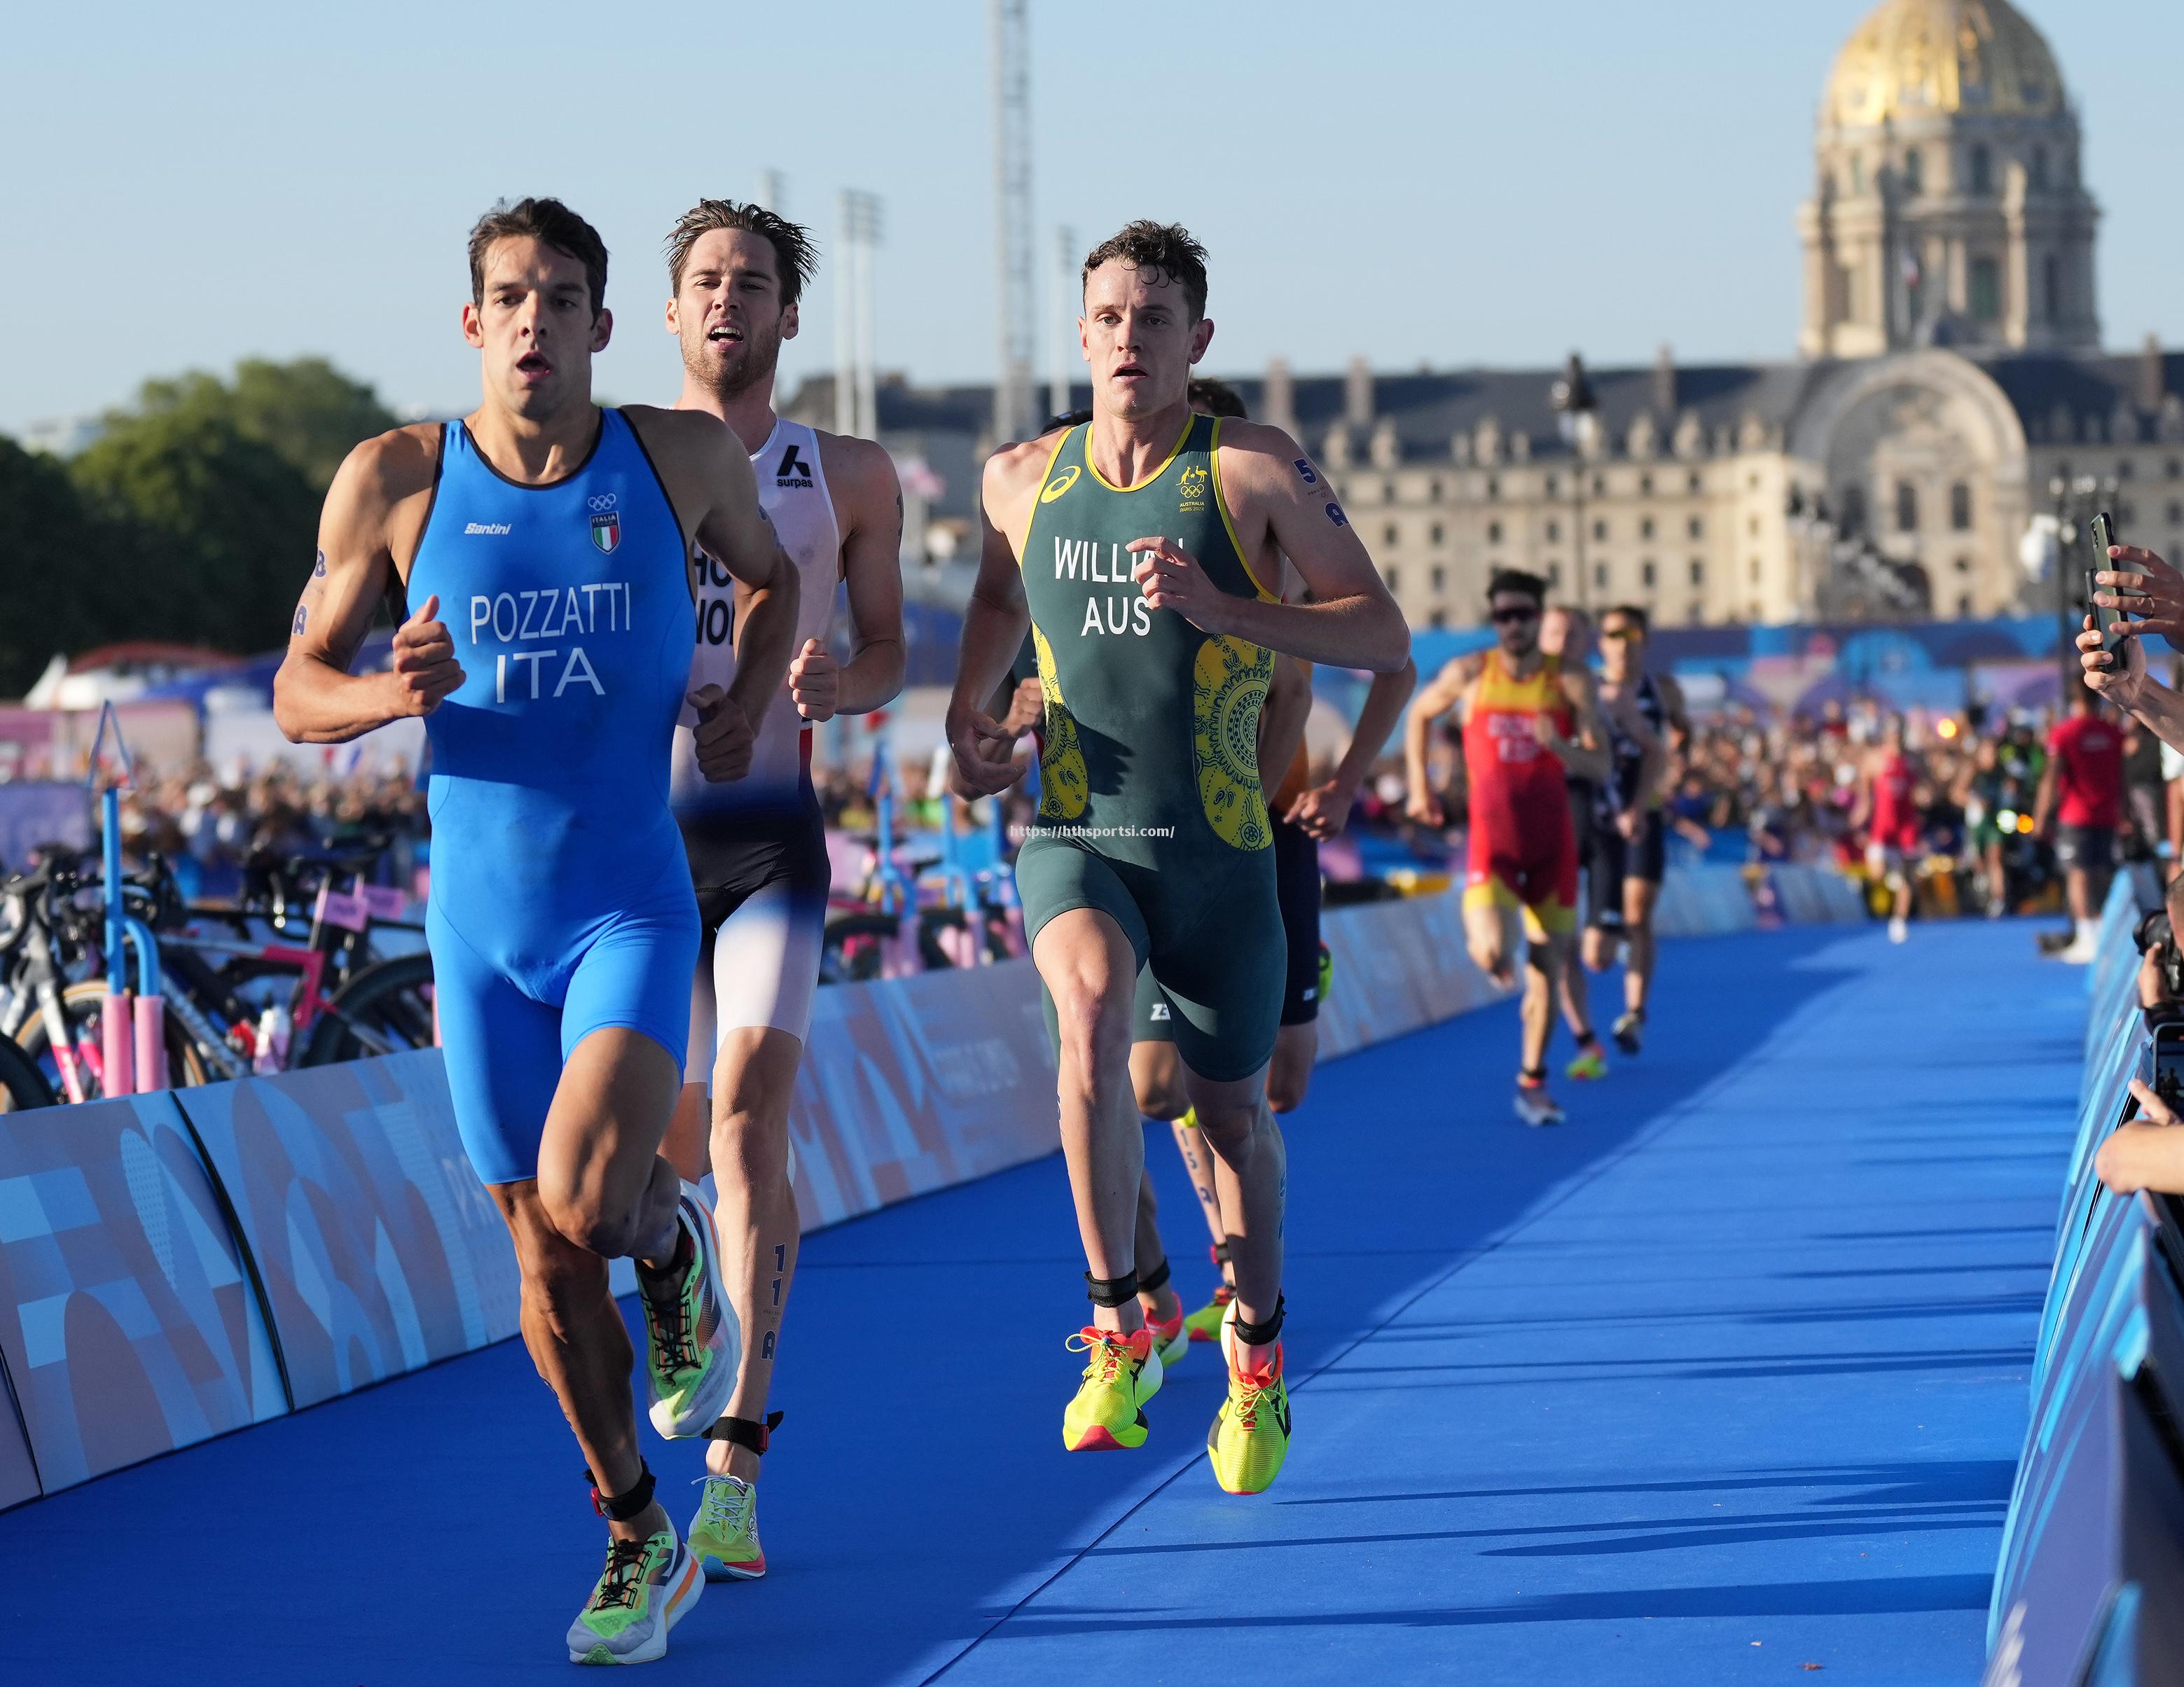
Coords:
724,1534
693,1343
648,1588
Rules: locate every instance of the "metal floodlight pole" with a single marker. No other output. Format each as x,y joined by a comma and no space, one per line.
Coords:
846,316
867,375
1061,338
1010,39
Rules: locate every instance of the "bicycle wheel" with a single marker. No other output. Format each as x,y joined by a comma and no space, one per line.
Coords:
385,1009
83,1006
22,1085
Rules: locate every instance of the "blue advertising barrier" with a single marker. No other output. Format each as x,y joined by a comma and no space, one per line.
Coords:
2093,1545
176,1266
129,1323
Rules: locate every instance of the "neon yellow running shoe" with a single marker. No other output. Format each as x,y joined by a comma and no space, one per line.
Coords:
649,1586
1123,1373
1251,1434
1589,1064
724,1534
692,1342
1205,1323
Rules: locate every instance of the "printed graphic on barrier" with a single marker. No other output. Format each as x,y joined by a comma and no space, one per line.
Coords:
923,1082
19,1476
379,1249
2106,1509
128,1323
1398,967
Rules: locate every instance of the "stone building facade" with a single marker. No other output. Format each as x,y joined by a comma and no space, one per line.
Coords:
1950,372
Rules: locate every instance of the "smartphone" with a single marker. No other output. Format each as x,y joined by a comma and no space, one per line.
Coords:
2106,620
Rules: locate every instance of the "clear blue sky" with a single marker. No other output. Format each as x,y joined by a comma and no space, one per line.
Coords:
1448,183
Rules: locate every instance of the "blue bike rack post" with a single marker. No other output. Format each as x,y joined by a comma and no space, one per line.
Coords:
132,1032
894,894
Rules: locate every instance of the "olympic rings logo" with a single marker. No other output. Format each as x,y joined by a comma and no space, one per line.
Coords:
604,500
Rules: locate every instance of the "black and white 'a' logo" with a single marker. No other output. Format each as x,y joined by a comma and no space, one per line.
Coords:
793,471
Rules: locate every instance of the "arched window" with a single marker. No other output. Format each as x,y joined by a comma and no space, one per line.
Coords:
1914,172
1986,290
1439,579
1646,528
1646,574
1393,577
1852,503
1493,486
1907,507
1982,171
1600,530
1960,508
1698,572
1697,525
1599,576
1493,532
1438,619
1554,532
1391,534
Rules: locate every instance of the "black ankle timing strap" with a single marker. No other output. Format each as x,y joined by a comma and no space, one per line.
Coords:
746,1432
1265,1334
1219,1250
623,1507
1156,1279
1111,1291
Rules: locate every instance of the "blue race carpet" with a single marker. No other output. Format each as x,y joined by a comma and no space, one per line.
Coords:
1723,1380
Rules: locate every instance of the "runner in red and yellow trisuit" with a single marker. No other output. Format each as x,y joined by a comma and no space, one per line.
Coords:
1528,724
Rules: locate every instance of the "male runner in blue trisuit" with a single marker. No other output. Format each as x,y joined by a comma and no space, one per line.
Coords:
561,921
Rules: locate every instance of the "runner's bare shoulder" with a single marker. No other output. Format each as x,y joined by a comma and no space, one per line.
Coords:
1012,479
400,464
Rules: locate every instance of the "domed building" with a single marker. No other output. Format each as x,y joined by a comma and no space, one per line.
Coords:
1949,369
1948,207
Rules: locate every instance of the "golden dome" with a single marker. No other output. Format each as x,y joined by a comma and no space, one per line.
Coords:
1912,59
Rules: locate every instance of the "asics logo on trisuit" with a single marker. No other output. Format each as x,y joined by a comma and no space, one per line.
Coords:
793,471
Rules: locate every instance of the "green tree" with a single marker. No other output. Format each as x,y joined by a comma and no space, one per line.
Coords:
56,564
220,528
308,411
192,518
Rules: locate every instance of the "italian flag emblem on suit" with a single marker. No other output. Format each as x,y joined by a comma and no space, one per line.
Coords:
607,530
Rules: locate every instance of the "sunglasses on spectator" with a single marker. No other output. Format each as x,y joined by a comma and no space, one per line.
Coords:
1511,617
1621,633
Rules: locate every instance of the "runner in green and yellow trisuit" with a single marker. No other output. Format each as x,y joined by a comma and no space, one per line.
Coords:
1140,548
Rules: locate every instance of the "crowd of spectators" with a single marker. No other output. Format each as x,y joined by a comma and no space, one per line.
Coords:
1747,786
